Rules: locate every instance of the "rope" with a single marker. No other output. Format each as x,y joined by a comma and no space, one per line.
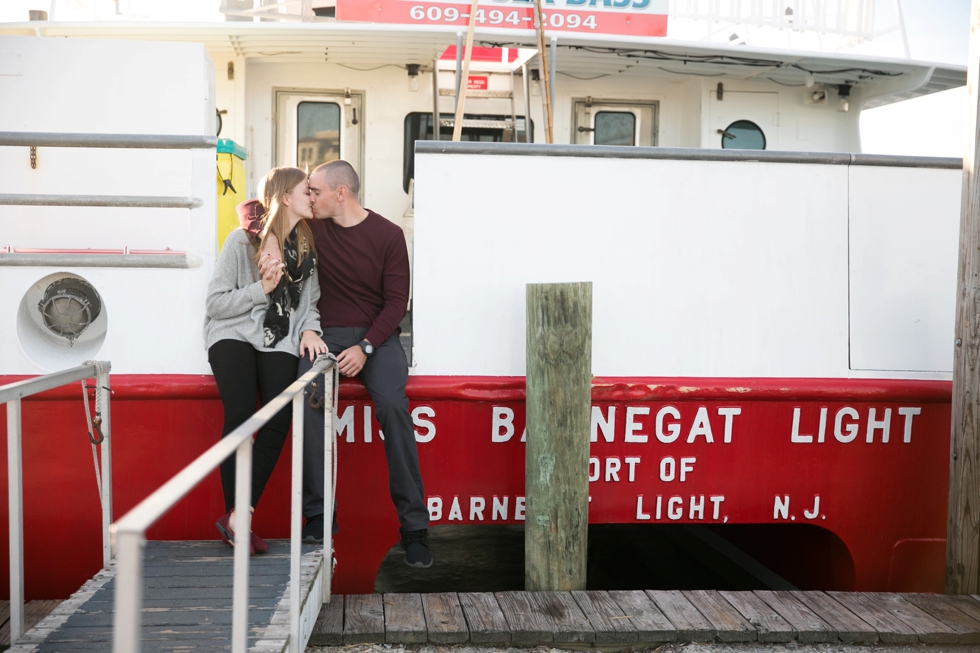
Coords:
94,425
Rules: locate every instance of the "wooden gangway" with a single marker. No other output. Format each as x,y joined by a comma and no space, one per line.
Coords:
624,619
187,602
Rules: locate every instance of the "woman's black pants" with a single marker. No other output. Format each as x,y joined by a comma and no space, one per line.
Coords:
242,372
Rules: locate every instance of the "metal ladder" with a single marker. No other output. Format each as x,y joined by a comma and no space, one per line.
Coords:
476,94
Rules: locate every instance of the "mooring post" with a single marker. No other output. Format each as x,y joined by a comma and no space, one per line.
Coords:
559,397
963,516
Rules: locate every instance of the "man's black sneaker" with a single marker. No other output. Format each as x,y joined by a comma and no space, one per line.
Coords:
416,545
313,531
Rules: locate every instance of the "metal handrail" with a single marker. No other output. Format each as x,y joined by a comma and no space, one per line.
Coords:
105,201
177,260
129,532
102,141
11,395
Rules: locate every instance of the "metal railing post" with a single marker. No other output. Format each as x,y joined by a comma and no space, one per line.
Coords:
243,529
15,488
129,591
295,534
329,409
106,455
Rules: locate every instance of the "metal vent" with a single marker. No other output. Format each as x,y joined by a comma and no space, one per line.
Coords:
69,306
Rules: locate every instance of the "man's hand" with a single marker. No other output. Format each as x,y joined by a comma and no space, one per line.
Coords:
351,361
311,343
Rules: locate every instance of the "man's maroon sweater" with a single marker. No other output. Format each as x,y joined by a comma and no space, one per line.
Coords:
363,272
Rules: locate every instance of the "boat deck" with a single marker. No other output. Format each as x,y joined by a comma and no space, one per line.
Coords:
187,600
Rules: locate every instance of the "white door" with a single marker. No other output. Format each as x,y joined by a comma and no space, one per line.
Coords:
313,128
744,120
609,122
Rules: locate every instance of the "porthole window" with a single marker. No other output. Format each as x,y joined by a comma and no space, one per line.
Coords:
742,135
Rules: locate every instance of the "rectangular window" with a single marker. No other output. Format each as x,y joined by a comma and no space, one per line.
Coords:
615,128
418,127
317,133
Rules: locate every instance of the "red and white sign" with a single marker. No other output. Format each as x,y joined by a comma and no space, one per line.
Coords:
477,83
622,17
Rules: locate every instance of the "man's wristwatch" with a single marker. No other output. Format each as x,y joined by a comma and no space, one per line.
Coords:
366,347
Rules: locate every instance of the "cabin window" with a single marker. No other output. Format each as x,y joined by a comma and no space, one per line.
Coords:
418,127
615,128
743,135
317,133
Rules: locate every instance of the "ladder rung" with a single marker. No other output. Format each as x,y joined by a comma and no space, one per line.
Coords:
480,124
474,93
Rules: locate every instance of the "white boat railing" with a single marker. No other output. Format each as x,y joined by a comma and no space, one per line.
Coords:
11,395
129,531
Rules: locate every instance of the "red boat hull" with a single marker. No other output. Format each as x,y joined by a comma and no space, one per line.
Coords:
849,477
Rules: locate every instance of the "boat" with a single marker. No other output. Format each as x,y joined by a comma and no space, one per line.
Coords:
771,318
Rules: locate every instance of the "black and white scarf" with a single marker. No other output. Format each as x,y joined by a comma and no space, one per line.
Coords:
285,296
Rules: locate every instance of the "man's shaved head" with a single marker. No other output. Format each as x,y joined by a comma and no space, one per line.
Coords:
339,173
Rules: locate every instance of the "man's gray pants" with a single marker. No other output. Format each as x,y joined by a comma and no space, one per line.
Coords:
384,375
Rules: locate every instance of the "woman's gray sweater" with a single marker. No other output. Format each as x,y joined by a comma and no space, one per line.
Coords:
236,305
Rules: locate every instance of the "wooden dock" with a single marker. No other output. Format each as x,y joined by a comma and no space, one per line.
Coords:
187,599
622,619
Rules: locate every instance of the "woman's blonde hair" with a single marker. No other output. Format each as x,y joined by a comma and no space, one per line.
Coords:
276,184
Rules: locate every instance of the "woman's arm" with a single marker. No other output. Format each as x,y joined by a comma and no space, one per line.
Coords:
225,299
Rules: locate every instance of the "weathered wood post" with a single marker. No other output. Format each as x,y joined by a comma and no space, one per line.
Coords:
963,516
559,398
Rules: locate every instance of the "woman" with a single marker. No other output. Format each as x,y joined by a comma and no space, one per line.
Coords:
261,317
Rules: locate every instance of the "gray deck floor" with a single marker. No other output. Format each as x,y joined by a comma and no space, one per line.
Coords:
187,600
625,619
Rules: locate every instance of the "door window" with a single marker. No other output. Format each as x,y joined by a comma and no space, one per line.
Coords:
743,135
615,128
317,133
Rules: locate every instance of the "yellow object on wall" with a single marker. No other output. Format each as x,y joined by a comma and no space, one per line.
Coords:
231,187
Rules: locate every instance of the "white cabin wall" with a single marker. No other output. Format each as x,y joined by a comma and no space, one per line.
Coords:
801,127
230,96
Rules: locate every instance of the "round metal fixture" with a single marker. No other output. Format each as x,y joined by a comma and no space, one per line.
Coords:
69,306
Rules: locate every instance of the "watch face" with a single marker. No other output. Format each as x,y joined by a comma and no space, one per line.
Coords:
368,348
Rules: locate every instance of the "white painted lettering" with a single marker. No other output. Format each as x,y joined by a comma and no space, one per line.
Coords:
345,424
729,415
605,424
675,508
500,508
612,469
660,503
477,504
632,427
430,429
632,463
701,426
519,509
668,469
812,514
822,431
908,413
435,508
593,470
524,435
367,424
455,514
673,429
852,428
640,515
687,465
795,434
883,425
780,508
697,508
716,509
503,424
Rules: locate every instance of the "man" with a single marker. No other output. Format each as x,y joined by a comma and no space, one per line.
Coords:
364,282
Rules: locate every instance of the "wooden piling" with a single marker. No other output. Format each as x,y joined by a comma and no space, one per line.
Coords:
963,512
559,396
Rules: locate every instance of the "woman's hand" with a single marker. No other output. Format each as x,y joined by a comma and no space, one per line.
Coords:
313,344
270,271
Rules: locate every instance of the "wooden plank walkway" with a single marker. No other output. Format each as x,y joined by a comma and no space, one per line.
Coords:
622,619
187,600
